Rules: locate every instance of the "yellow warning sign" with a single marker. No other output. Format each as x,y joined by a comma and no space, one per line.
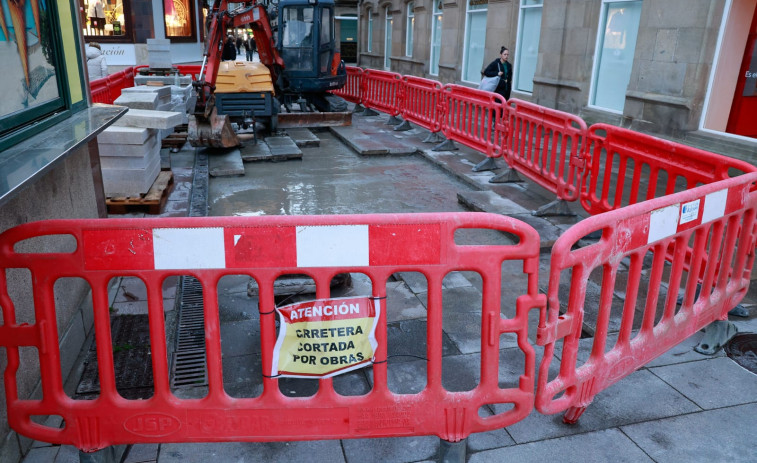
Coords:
325,337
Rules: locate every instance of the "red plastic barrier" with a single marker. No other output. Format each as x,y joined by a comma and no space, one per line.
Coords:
129,77
719,218
265,248
116,83
380,90
545,145
351,90
99,90
468,116
420,102
192,70
619,161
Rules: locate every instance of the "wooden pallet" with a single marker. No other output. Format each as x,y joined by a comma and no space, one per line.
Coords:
151,202
177,139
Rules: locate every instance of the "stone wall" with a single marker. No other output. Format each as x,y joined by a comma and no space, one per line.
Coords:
67,191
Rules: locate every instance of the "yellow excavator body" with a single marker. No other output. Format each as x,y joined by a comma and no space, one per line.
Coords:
243,76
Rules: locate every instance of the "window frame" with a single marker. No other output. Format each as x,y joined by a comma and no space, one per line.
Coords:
192,37
409,25
466,45
519,45
24,123
435,56
369,46
601,28
388,24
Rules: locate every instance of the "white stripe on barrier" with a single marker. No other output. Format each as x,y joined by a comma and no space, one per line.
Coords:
714,205
332,246
179,248
663,223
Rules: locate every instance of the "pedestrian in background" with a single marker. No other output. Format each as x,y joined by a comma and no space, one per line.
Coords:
97,68
250,47
229,52
504,70
239,42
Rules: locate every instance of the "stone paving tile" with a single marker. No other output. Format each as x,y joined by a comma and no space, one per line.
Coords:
304,451
638,397
725,434
697,381
142,453
389,450
607,445
240,338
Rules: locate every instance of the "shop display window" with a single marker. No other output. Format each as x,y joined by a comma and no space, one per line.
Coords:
179,18
104,18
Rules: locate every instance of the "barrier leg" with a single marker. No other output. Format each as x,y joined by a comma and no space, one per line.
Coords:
716,334
452,452
572,415
405,125
739,311
112,454
394,120
486,164
508,176
358,108
446,145
369,112
432,137
556,207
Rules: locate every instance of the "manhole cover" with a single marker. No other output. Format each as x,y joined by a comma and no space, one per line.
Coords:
742,349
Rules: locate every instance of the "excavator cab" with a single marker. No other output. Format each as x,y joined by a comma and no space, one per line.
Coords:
304,37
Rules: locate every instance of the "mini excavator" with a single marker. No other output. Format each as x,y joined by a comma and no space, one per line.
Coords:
299,63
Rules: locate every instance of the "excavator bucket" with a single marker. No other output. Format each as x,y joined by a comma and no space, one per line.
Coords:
213,132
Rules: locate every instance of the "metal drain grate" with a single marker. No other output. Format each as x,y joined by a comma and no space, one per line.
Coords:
189,366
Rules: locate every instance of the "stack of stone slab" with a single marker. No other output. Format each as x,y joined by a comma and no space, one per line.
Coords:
130,151
159,53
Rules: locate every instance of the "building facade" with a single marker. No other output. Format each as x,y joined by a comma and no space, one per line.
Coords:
127,24
679,68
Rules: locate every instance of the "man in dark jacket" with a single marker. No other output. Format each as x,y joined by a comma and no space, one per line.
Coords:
229,49
249,47
502,68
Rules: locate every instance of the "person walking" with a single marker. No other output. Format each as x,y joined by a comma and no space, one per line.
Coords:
238,42
250,47
229,52
501,68
97,68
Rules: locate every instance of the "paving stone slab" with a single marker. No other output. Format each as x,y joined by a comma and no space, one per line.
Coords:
725,434
697,380
163,91
391,450
130,182
599,447
125,135
488,201
303,137
149,148
139,100
283,147
224,163
372,142
149,119
314,451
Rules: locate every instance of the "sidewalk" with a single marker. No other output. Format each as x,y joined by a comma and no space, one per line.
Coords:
683,406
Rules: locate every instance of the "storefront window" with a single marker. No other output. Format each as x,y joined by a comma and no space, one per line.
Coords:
527,48
616,46
179,18
103,18
31,66
475,38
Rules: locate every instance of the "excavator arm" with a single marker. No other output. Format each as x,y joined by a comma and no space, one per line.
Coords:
207,128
